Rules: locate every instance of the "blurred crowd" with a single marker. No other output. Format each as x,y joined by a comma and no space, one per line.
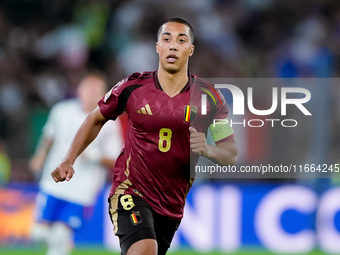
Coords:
47,46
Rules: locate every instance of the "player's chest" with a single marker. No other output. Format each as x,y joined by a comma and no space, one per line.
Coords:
157,110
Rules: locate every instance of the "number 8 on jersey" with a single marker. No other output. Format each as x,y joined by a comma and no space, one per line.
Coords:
164,143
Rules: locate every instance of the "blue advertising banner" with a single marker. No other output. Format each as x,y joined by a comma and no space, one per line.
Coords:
283,218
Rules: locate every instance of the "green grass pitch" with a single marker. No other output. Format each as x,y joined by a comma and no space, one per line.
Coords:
92,251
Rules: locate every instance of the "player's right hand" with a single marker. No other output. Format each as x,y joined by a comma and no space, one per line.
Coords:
63,172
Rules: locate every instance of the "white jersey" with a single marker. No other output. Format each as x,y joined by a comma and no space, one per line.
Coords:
63,122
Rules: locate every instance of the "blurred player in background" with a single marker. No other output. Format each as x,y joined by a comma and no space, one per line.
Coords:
61,209
152,175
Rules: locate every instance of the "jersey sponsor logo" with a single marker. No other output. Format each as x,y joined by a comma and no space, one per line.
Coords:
136,218
145,110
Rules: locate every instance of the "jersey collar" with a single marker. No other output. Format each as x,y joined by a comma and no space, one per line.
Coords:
185,88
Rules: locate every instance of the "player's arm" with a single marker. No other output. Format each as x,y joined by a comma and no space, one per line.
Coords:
87,132
224,153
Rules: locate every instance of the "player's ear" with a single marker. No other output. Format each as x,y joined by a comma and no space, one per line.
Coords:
192,50
157,47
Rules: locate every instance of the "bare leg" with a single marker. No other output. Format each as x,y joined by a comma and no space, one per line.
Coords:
143,247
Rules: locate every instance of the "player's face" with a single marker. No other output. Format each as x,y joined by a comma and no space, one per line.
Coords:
174,47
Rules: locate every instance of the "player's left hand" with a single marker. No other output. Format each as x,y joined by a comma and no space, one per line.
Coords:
198,142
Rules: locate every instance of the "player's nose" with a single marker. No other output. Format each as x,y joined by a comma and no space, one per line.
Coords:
174,46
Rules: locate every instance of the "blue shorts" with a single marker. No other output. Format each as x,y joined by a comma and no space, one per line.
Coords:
52,209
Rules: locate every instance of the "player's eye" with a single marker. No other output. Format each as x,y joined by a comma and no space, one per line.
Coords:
181,40
166,39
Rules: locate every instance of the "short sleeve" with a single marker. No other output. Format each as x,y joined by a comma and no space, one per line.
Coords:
113,104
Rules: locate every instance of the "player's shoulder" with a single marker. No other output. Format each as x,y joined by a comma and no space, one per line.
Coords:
132,82
202,84
129,84
141,76
135,78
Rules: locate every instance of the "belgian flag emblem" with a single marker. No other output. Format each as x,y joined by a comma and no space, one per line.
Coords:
189,113
136,218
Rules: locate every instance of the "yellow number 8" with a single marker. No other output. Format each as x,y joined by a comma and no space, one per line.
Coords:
164,136
127,202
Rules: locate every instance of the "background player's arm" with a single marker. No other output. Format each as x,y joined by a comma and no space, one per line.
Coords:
87,132
107,162
37,161
95,156
224,153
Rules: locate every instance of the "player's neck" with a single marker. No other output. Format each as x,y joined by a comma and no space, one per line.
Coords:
172,83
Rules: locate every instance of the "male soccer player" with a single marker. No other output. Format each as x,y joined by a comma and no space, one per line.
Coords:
152,174
61,209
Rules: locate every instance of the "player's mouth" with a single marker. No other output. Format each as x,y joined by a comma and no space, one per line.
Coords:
171,58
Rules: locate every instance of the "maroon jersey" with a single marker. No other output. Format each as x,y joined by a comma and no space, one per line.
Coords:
155,160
